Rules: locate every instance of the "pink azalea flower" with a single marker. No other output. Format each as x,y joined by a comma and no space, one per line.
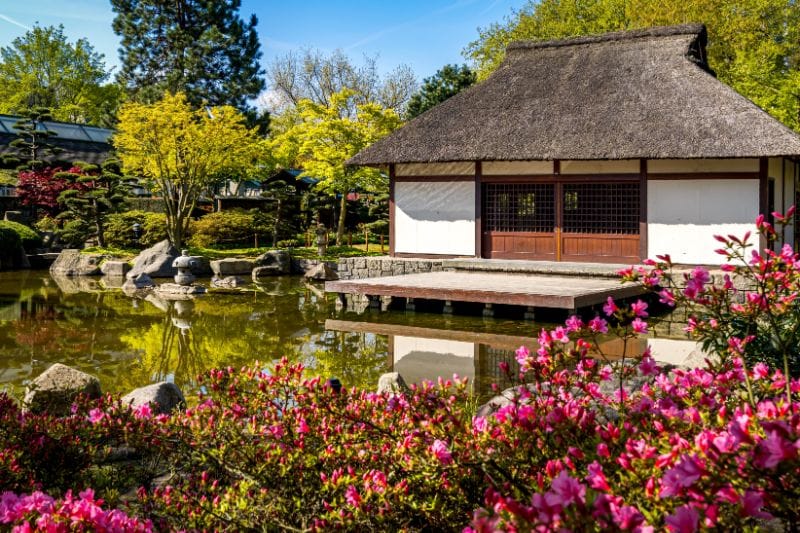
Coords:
96,415
610,307
560,334
682,475
522,355
752,503
440,449
352,496
598,325
639,308
596,478
639,326
760,371
565,490
648,366
574,323
684,520
774,449
143,411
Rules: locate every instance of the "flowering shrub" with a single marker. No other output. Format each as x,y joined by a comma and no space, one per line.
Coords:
584,442
40,512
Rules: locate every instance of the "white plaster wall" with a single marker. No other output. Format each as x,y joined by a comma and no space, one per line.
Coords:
680,166
625,166
456,168
434,217
418,359
516,168
684,215
681,352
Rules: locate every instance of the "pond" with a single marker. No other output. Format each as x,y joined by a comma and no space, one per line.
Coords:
129,342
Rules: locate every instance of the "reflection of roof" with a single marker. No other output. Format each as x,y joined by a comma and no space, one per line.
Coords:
78,141
628,95
293,173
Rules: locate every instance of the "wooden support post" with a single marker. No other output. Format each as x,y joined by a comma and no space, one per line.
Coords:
448,307
381,242
374,301
488,310
350,239
530,313
366,239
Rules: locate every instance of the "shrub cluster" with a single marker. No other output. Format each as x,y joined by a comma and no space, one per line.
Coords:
119,232
231,228
29,239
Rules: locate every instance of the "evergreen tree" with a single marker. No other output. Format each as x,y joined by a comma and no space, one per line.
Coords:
200,48
31,142
448,81
93,194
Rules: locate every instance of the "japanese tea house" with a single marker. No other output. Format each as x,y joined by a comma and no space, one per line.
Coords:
610,148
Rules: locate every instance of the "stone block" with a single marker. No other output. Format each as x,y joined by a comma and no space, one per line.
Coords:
231,267
277,262
115,269
360,262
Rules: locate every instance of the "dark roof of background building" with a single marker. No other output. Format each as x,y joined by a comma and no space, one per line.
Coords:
624,95
78,141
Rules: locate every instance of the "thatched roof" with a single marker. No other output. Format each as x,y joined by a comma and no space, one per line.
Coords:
626,95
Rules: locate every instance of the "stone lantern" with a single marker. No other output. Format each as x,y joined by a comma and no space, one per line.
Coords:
184,264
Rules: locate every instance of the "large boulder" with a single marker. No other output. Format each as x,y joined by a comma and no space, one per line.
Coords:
163,397
273,263
156,261
231,267
55,390
73,263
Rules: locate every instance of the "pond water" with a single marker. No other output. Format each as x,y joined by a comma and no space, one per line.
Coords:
129,342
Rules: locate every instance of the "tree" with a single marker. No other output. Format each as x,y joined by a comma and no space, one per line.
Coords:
325,137
41,187
43,69
448,81
93,194
31,143
316,77
182,151
753,45
203,49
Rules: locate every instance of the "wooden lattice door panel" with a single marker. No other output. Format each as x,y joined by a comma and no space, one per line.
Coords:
519,221
600,222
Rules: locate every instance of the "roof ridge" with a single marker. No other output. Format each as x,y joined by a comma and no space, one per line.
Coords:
627,35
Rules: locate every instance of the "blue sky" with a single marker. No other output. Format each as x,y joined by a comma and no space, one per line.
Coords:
424,34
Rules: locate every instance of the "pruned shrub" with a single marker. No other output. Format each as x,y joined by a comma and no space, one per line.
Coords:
229,229
119,229
28,237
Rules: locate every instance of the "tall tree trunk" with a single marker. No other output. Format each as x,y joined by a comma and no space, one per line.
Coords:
342,214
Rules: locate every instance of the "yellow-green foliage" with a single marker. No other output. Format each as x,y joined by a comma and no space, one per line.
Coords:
181,151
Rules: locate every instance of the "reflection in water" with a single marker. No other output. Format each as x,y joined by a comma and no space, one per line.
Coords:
129,342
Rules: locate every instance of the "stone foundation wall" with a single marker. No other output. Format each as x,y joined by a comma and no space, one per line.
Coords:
376,267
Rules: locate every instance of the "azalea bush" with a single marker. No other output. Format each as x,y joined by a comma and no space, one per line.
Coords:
584,440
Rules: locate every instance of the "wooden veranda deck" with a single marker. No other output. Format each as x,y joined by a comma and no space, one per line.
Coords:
532,290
